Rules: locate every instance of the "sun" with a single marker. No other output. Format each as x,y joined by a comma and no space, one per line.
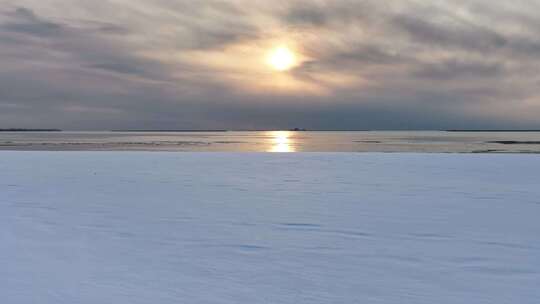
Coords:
281,59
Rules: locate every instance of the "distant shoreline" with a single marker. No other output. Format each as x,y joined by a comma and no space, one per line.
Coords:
493,130
30,130
186,131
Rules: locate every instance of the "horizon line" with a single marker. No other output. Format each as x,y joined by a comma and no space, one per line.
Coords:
265,130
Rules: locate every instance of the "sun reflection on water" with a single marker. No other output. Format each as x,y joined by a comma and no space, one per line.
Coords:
281,142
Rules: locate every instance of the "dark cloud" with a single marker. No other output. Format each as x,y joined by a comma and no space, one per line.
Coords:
462,35
119,68
330,13
453,69
223,34
306,15
26,22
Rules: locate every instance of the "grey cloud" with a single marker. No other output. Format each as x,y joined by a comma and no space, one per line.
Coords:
83,45
465,36
222,35
306,15
25,21
363,56
524,46
110,28
428,67
118,68
454,69
327,13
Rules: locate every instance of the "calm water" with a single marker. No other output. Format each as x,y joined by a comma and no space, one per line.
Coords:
277,141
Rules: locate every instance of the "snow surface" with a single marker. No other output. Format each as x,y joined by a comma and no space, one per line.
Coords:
152,227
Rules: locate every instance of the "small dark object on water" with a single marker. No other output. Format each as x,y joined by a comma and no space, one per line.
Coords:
368,141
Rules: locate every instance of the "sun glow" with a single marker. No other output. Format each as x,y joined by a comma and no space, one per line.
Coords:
281,142
281,59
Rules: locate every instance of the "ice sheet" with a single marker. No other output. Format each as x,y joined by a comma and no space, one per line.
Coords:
153,227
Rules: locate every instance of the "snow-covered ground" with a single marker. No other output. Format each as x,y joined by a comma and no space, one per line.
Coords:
151,227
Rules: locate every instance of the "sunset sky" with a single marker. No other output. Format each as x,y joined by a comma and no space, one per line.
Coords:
241,64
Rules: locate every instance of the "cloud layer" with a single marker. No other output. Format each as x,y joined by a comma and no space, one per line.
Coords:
407,64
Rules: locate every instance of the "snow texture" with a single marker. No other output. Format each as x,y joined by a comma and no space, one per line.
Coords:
153,227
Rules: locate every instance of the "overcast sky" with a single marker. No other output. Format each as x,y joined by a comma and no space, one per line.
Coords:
185,64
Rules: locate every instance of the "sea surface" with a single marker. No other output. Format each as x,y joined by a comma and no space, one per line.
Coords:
277,141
